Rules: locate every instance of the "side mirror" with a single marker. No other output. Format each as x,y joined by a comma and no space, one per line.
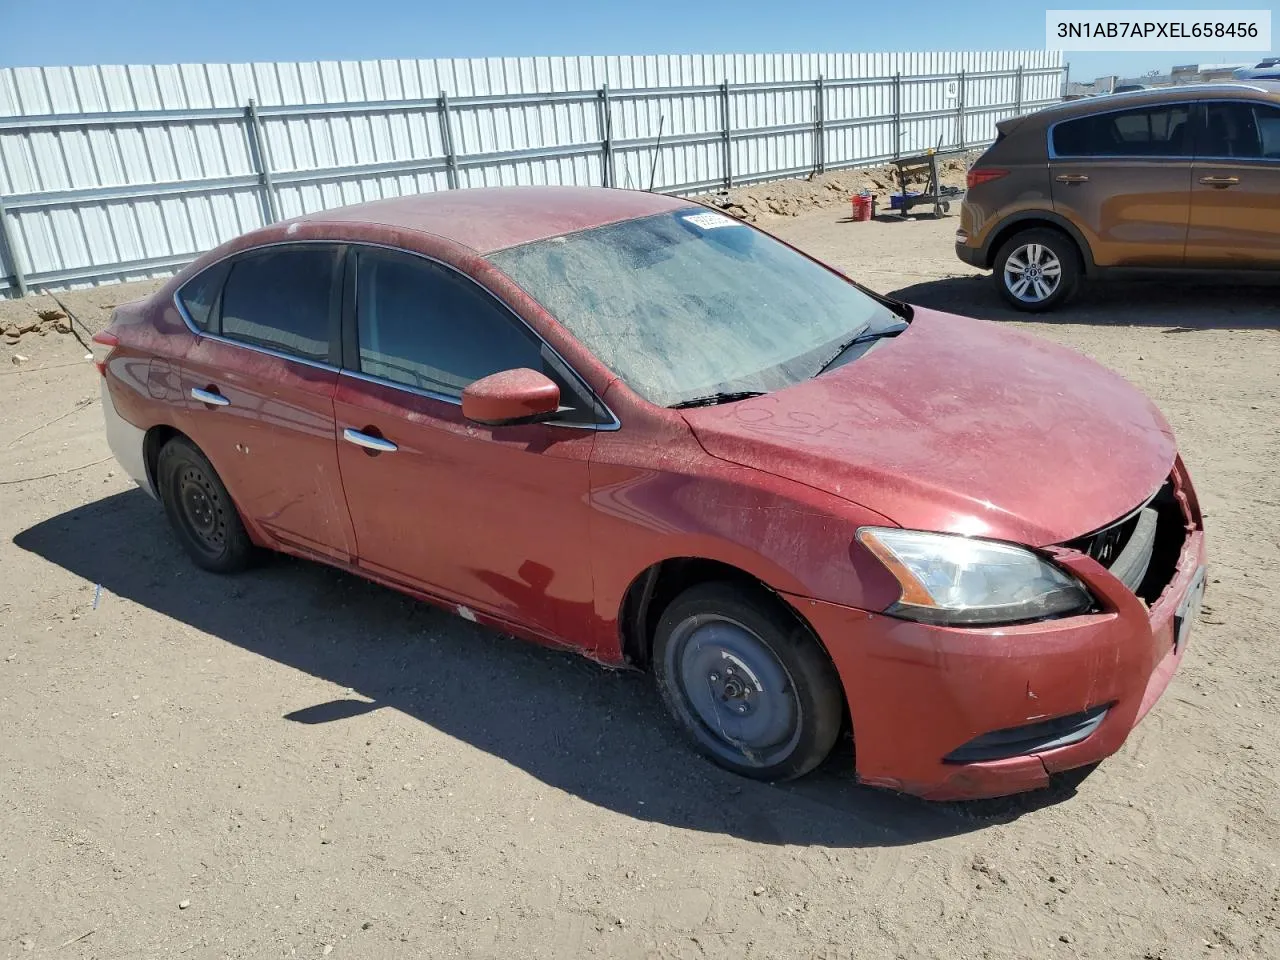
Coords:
512,396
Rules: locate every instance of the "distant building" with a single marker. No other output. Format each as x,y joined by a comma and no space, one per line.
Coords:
1205,72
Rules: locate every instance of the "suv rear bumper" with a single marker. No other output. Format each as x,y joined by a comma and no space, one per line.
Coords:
973,256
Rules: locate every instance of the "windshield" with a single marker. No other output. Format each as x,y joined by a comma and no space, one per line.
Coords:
692,304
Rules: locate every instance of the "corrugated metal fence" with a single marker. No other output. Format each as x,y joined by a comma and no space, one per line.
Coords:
114,173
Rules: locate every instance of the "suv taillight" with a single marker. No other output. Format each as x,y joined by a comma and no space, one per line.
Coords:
103,343
983,175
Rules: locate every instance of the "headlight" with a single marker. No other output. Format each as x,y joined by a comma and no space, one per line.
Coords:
955,580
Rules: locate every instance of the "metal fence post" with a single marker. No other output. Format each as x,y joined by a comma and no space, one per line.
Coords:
960,131
259,143
1066,81
446,131
1017,101
897,115
6,237
819,121
724,135
606,136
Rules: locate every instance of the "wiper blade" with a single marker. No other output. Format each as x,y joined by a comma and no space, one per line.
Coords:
862,337
711,399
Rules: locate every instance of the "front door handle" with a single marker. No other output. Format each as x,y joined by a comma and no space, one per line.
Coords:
1219,181
1073,178
377,444
211,397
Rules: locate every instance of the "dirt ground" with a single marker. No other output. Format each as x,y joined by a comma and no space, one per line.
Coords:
296,763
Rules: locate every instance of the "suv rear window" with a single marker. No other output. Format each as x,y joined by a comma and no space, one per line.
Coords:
1144,132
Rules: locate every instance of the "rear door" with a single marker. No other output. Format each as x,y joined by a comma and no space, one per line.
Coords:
1124,179
492,518
259,383
1235,189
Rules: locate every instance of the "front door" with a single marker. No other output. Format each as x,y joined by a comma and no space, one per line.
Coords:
1124,179
1235,188
493,519
259,391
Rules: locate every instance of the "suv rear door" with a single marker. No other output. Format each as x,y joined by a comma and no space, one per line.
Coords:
1123,177
1235,189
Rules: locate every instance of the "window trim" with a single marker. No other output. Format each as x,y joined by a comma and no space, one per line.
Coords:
1191,115
350,340
256,347
1199,110
347,322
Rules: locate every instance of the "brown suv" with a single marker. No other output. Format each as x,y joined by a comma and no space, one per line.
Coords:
1181,178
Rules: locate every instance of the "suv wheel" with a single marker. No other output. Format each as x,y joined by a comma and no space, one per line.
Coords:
1037,270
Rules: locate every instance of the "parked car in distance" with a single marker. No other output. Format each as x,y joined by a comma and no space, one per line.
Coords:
1178,179
628,425
1129,87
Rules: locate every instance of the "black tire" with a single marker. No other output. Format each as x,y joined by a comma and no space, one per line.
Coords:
1056,247
200,510
800,684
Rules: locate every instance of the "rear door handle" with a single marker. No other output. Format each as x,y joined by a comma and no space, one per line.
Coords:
377,444
1220,181
211,397
1073,178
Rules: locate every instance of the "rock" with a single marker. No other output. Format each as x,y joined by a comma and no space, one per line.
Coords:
366,925
62,326
757,891
1065,937
184,904
28,326
51,315
28,945
18,359
328,949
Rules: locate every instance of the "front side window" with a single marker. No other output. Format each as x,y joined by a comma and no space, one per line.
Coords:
691,303
426,326
283,299
1145,132
1243,130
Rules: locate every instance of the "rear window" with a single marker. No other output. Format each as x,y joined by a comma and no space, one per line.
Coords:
1144,132
282,299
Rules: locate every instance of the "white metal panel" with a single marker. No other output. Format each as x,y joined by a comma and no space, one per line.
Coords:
92,201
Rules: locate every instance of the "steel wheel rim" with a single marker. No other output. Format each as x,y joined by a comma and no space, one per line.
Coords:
1032,273
202,511
733,691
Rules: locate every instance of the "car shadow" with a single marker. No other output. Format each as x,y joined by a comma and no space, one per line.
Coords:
1182,303
599,734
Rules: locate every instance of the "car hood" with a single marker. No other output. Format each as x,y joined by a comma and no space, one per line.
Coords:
962,426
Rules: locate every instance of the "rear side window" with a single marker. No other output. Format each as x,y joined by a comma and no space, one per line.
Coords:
283,299
426,326
1245,130
199,295
1145,132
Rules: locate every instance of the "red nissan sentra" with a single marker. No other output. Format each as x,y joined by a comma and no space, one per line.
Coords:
631,426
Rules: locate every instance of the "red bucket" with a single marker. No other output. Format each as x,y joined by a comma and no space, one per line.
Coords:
861,207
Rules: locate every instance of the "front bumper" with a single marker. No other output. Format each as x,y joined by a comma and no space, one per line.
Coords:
918,693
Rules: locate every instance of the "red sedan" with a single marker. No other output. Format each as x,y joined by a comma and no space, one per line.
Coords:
626,424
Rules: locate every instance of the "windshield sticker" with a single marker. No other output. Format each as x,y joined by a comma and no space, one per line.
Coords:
709,221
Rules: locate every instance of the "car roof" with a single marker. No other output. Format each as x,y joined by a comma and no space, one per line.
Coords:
486,219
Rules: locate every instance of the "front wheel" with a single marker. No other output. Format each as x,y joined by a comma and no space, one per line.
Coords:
747,683
1037,270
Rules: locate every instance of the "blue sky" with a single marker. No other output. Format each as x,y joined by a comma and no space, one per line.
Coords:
55,32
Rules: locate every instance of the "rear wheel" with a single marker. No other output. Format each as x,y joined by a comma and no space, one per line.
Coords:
747,683
200,509
1037,270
